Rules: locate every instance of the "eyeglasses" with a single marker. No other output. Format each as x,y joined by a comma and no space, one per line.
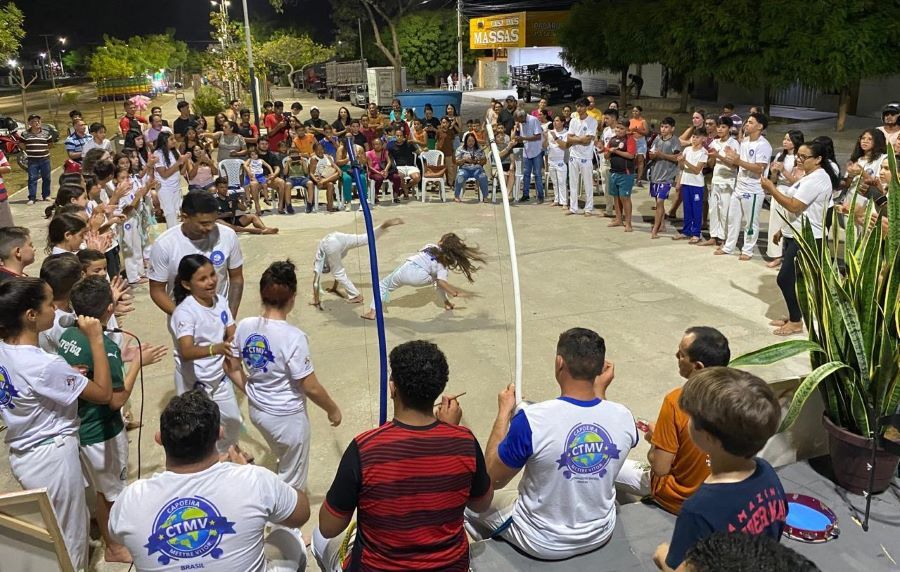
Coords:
801,158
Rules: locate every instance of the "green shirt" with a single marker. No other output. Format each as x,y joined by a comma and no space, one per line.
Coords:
98,422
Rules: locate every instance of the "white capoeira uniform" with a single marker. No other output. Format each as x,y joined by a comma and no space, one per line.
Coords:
721,188
39,404
207,326
420,269
169,189
559,170
747,199
777,213
330,257
276,357
131,234
581,163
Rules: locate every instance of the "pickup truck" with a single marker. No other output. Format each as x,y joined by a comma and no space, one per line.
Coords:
549,81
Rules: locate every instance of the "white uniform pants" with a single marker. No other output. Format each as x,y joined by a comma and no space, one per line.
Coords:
634,478
288,438
284,549
56,466
719,201
743,220
559,175
581,171
408,274
229,412
776,223
609,208
336,245
327,551
133,248
170,202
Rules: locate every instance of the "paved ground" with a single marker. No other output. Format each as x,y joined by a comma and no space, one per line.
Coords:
639,294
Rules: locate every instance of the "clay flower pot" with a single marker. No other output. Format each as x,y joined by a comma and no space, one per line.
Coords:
850,457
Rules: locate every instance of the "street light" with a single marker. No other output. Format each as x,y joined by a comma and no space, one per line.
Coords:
62,68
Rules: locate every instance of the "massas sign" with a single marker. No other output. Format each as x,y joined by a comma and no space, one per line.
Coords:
516,30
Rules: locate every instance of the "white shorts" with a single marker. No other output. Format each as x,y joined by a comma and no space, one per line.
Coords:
407,171
106,465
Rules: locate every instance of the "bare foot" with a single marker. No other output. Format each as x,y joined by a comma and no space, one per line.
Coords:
789,329
774,263
720,252
355,300
679,236
694,240
448,305
653,235
117,553
270,230
778,323
744,258
333,289
370,315
710,242
570,213
615,223
628,228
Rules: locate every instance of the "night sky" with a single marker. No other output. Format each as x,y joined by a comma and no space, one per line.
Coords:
86,21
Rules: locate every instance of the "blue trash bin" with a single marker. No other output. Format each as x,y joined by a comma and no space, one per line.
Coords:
438,99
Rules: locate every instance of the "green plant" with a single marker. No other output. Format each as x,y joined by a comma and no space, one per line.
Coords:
70,98
853,317
208,100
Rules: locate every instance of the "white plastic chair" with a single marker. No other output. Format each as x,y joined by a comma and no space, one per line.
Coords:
233,171
433,158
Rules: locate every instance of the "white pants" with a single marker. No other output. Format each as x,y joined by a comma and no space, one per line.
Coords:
609,207
719,201
407,274
581,171
288,438
634,478
56,466
132,248
285,550
170,202
106,465
327,551
559,172
743,220
776,223
336,246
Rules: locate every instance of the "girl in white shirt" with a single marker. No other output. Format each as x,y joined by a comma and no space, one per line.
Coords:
807,201
204,329
280,375
431,266
39,395
168,171
65,233
784,172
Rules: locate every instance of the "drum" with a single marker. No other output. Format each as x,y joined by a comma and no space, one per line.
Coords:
809,520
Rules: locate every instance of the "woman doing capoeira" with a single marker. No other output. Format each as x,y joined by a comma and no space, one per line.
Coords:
432,265
330,258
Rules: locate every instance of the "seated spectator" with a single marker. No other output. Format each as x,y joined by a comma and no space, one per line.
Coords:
724,551
201,170
480,132
403,153
98,139
732,415
184,518
380,168
303,141
677,467
409,480
233,212
571,448
419,135
324,172
297,171
246,128
470,159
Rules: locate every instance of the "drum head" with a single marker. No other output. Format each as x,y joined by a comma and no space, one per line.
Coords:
809,520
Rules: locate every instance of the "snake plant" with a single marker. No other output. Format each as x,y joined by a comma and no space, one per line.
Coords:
853,317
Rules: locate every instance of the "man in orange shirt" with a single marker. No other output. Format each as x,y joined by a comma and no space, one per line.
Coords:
304,141
677,467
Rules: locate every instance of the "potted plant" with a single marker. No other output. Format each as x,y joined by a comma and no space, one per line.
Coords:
853,318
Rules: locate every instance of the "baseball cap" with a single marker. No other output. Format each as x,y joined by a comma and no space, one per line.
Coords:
510,98
33,116
314,108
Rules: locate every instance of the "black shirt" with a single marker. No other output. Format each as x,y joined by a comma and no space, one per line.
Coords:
507,119
404,155
360,140
273,159
181,125
433,122
318,124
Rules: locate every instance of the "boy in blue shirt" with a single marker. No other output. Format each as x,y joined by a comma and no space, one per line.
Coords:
733,414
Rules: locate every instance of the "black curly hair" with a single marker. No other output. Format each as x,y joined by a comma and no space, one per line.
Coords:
420,372
278,284
731,552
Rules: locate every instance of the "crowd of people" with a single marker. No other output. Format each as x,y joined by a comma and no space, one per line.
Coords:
67,370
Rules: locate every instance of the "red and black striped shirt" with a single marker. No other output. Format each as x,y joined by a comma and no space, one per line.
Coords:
409,486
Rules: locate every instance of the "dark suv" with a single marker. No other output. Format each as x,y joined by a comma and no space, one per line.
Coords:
548,81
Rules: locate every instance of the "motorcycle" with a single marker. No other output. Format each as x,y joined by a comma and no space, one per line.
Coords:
11,135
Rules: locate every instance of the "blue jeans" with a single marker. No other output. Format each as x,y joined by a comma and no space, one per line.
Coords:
536,164
38,169
467,172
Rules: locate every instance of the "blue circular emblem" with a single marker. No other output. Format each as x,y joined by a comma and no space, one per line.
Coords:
188,528
7,391
224,317
127,226
217,258
257,352
589,448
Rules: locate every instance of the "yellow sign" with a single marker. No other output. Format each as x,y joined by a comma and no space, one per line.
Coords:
503,31
541,28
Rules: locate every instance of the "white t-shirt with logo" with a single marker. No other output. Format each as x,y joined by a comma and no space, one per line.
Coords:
38,395
207,326
429,263
221,246
212,520
580,127
172,183
694,157
572,452
813,190
276,356
723,174
555,153
758,151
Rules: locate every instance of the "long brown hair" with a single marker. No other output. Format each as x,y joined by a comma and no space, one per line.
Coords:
453,253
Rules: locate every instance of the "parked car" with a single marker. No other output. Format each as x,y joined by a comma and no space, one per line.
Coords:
548,81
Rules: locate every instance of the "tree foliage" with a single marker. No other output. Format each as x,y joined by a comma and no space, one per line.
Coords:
117,59
12,24
293,51
428,43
